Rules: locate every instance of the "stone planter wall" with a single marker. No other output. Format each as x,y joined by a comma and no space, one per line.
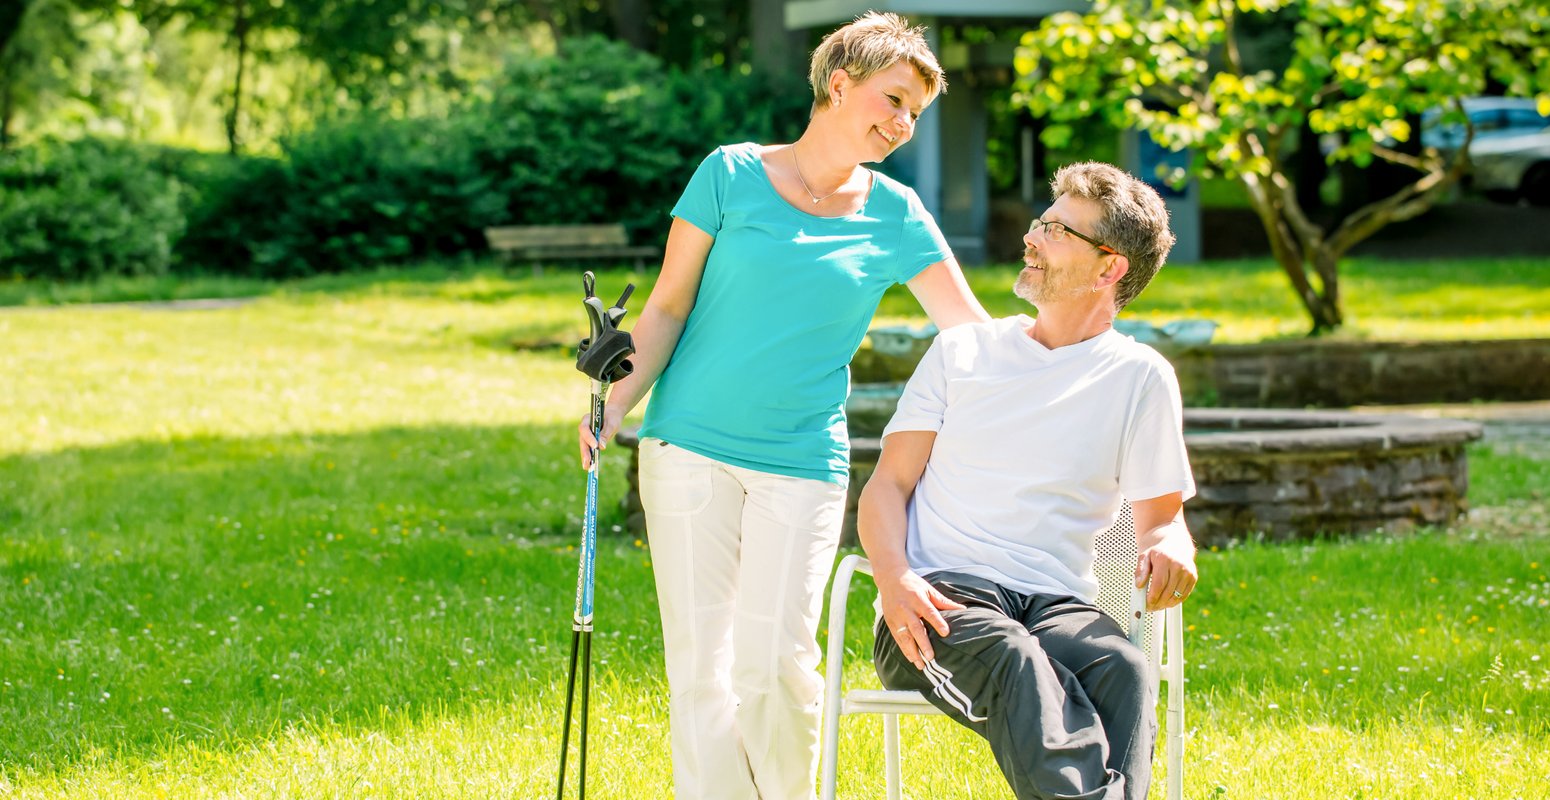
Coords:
1323,374
1297,374
1298,474
1282,475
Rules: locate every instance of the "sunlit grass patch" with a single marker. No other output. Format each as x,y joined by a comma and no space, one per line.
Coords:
1250,298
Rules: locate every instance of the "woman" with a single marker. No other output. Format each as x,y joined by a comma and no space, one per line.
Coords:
775,263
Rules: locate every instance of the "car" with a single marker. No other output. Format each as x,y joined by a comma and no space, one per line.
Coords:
1513,167
1510,154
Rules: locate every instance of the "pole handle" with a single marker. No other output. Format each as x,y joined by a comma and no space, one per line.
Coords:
603,356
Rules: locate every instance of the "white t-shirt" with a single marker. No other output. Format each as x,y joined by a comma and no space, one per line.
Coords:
1035,450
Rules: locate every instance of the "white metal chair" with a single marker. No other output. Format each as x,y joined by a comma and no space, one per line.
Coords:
1118,597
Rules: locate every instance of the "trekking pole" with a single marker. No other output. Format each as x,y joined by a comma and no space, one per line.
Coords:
603,357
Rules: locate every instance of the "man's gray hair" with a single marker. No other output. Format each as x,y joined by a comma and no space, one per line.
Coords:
871,44
1134,221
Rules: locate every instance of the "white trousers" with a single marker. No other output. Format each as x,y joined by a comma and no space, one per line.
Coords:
741,558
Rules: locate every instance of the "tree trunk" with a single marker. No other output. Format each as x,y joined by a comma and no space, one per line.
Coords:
1303,249
11,13
239,32
7,108
1297,244
630,18
1326,262
1310,169
1322,301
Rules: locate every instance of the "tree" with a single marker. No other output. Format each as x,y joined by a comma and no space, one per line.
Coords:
26,46
361,43
241,19
10,21
1356,72
63,63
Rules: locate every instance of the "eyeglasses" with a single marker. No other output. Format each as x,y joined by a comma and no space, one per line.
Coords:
1056,231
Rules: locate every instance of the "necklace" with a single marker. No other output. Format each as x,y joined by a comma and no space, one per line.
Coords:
815,198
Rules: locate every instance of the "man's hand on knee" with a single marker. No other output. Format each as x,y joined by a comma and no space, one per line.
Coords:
909,605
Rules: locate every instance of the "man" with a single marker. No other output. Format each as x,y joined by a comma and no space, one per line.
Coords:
1013,446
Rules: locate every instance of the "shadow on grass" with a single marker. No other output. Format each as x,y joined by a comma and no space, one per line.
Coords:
216,591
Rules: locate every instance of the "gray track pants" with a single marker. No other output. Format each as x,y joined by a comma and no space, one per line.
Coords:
1051,682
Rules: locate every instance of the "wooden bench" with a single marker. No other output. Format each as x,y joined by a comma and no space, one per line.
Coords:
540,243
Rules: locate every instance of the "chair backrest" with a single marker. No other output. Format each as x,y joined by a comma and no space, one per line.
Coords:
1115,565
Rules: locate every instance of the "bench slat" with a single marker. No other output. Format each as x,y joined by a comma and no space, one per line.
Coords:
515,237
583,252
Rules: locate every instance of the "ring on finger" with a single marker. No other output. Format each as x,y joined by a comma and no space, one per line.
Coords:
1178,594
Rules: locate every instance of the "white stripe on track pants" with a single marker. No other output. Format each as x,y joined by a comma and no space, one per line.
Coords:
741,558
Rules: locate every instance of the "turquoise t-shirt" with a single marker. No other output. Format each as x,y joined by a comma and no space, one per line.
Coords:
761,372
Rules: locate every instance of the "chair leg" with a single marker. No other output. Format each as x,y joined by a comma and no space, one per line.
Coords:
1175,743
829,768
891,757
1175,765
834,673
1175,630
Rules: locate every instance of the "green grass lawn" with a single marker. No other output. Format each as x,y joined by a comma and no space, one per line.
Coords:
1251,300
321,545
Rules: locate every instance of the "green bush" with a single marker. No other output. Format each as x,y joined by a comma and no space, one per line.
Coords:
348,195
84,209
600,133
603,133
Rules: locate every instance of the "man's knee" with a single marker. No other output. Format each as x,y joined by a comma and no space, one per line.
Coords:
1120,672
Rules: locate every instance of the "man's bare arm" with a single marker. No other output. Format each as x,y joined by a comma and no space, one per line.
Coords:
1167,551
909,603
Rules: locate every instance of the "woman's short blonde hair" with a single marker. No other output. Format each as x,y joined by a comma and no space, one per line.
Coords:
871,44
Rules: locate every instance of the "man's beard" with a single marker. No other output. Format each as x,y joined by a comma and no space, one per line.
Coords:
1029,288
1051,285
